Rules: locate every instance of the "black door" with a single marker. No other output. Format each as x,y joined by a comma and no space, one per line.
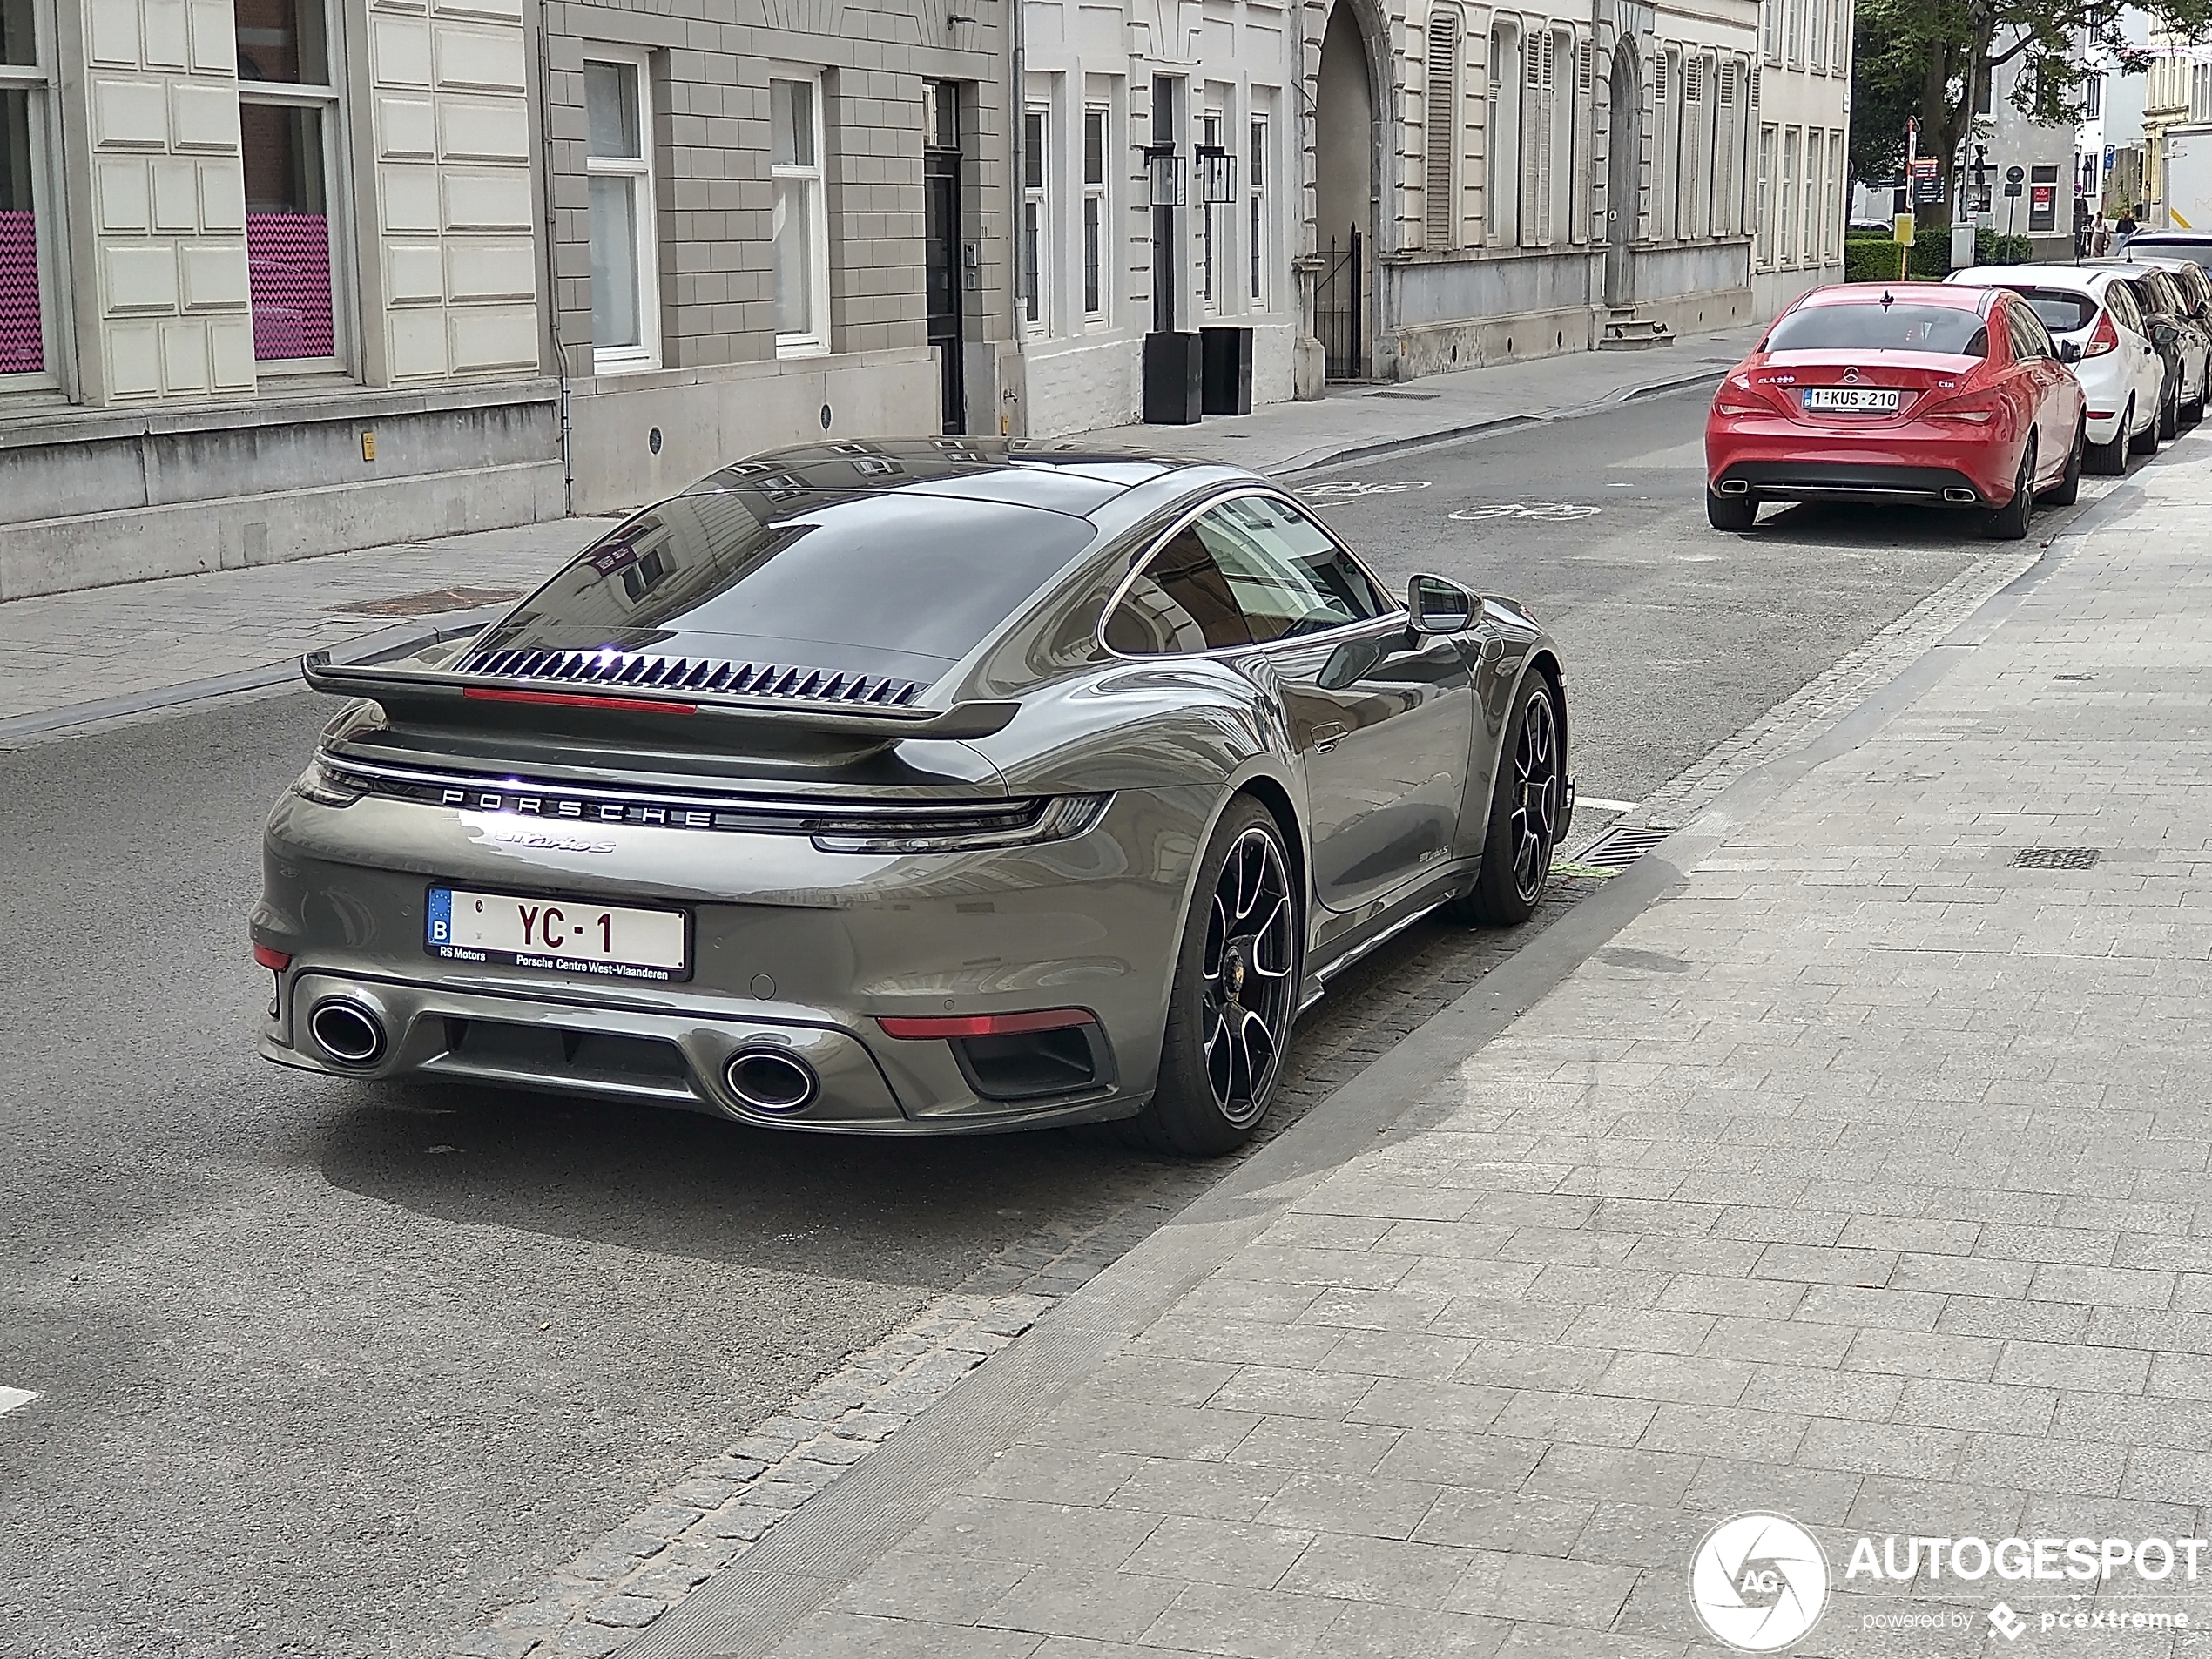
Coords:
940,187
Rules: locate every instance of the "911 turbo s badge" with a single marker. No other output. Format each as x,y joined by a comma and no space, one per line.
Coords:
516,835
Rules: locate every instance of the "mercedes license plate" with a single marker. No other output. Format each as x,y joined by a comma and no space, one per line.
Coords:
1859,400
567,935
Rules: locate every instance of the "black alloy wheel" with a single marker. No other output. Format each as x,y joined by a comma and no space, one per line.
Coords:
2009,522
1235,995
2169,417
2146,441
2110,459
1527,802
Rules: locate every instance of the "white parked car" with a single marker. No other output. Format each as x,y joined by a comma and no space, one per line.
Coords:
2122,374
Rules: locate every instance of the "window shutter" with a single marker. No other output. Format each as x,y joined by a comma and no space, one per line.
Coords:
1545,111
1585,66
1532,116
1659,79
1442,110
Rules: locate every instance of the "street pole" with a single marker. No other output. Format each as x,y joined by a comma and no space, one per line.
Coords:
1911,193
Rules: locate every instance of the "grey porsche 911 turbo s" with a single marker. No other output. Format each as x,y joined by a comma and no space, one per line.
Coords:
910,788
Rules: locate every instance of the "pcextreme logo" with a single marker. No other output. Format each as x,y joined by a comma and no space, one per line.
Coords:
1758,1582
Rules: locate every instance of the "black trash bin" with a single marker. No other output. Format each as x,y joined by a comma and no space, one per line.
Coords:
1227,372
1172,376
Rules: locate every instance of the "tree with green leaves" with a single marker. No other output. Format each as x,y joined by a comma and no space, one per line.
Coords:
1933,61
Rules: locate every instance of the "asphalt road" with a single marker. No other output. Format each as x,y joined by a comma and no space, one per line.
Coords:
329,1372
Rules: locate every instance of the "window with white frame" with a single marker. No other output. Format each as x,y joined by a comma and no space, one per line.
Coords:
1258,172
1035,231
288,144
1785,239
1794,28
1501,140
1095,214
1770,31
1832,189
800,225
1764,224
625,264
1809,226
1838,35
27,225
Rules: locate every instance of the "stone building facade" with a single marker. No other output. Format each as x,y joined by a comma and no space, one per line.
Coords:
267,282
1801,161
773,221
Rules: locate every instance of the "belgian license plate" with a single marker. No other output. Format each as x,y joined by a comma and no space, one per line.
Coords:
1858,400
567,935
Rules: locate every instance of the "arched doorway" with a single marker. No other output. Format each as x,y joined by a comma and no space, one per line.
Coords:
1623,175
1343,195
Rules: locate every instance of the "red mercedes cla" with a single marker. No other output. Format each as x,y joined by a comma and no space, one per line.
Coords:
1912,391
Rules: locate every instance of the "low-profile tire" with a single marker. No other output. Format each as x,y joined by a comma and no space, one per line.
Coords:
2067,490
2169,417
1731,512
2193,411
2110,460
2009,522
2144,443
1526,800
1236,992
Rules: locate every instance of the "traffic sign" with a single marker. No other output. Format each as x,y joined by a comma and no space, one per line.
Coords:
1901,230
2013,175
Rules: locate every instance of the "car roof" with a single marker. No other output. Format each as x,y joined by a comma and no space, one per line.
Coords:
1957,295
2074,279
1066,478
2193,238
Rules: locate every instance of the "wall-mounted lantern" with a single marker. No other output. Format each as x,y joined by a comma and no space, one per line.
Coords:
1166,175
1217,174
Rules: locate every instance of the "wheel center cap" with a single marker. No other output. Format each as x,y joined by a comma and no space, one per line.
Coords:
1233,972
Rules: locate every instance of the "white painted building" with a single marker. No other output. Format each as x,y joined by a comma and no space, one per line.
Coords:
1804,116
1101,82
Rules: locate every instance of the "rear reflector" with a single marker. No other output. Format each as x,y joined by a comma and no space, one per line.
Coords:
570,701
276,960
944,1026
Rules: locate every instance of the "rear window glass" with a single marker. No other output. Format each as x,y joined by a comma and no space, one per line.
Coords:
2200,252
2062,313
1869,326
887,583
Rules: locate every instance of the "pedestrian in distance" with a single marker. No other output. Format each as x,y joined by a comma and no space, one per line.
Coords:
2127,226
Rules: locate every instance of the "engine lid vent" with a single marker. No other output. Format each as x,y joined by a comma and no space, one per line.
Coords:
616,669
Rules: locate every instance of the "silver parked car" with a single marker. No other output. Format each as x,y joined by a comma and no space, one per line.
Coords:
911,787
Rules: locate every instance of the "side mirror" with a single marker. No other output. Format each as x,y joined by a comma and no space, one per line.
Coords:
2069,351
1435,606
2164,334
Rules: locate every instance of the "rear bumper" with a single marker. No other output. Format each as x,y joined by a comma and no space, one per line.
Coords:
1850,480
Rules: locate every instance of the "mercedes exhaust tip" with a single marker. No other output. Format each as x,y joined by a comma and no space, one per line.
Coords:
1734,487
1956,498
768,1080
347,1031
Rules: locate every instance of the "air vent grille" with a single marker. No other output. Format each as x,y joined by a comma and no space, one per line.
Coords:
648,671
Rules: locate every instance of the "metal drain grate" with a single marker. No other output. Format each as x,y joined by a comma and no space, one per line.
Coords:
2054,858
1410,397
431,603
1618,848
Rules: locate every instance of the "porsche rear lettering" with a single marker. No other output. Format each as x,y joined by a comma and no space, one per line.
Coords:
603,812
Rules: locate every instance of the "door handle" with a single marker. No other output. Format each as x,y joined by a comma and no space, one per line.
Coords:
1326,737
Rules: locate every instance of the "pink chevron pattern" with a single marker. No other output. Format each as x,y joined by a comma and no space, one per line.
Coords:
287,261
22,341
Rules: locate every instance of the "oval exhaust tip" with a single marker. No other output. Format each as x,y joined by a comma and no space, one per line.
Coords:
1961,497
770,1082
346,1031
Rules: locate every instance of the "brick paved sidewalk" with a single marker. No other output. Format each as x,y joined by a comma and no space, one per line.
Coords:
1859,1176
64,657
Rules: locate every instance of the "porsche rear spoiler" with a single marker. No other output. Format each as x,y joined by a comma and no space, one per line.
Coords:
438,697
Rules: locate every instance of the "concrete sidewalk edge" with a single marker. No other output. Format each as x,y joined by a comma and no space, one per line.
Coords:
748,1608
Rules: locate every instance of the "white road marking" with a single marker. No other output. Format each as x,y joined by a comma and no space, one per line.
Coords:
1546,512
1602,805
11,1398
